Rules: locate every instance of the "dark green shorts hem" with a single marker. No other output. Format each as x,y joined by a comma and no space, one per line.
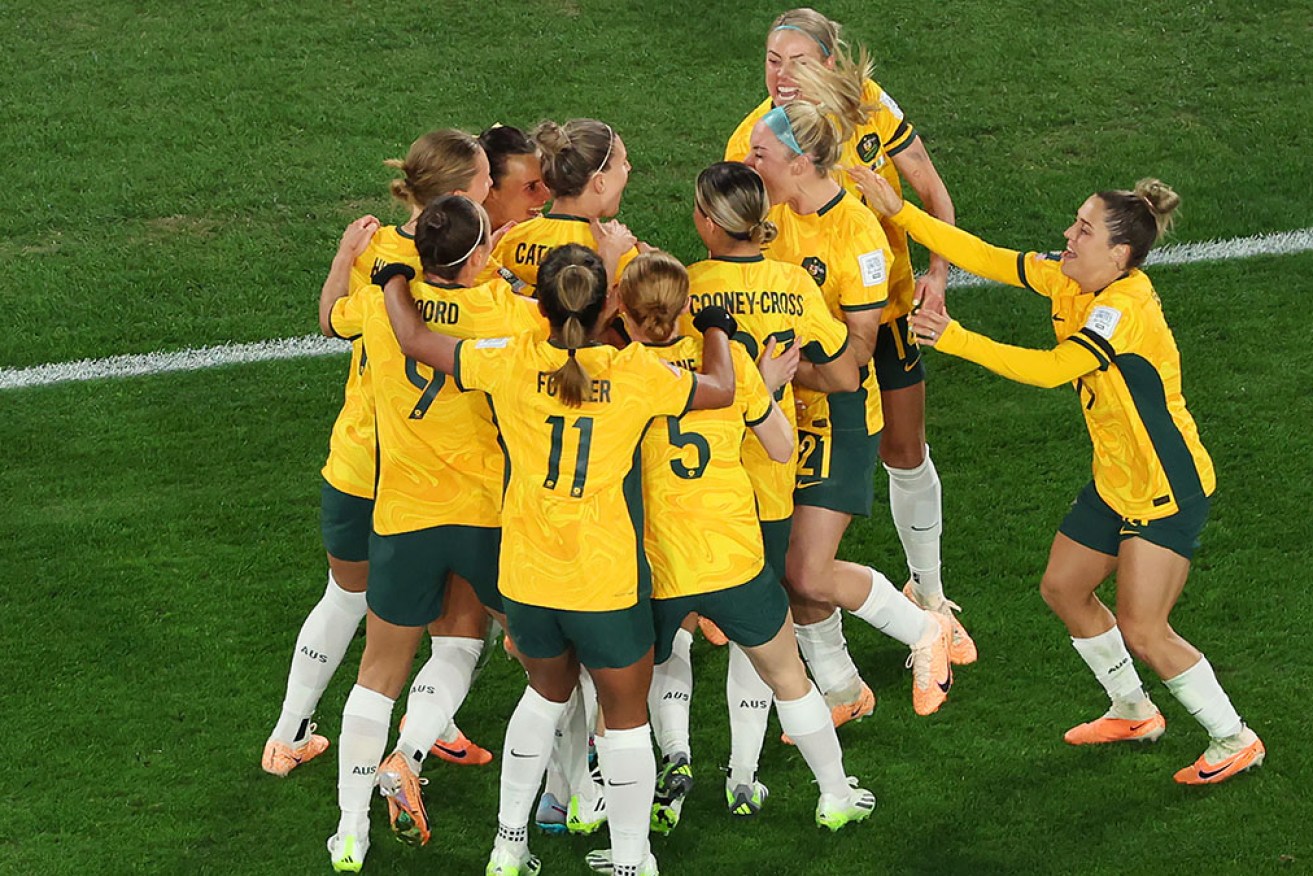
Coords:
601,639
750,614
345,522
1092,522
408,571
898,362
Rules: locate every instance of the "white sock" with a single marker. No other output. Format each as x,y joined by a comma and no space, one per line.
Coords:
572,748
914,501
366,718
324,638
749,700
590,699
529,737
670,697
1198,690
629,771
450,733
809,725
1107,657
826,655
436,694
893,614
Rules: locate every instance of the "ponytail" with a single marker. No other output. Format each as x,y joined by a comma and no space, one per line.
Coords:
572,287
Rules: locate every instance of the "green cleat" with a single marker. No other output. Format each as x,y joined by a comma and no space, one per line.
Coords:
745,800
504,862
673,785
835,812
347,852
585,817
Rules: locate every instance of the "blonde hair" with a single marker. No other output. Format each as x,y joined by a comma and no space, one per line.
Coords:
571,153
824,31
733,196
817,134
438,163
839,91
572,288
1139,218
654,290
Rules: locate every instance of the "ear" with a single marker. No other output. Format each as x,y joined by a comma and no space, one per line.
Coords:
1121,255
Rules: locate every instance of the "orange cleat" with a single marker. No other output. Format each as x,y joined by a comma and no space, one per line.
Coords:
932,671
401,787
1225,758
1111,729
845,712
462,751
962,651
279,758
712,633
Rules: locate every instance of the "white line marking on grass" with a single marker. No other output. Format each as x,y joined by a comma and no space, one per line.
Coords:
1281,243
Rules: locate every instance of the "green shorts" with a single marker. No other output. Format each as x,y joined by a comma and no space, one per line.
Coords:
601,639
1092,522
775,538
408,571
345,522
837,471
750,614
897,356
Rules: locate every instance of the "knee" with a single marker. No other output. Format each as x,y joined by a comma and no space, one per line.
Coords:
1052,592
807,582
901,451
1141,638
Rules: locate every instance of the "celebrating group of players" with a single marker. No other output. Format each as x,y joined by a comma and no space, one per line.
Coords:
552,424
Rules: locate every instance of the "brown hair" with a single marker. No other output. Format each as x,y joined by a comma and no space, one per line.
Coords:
1139,218
438,163
572,288
654,289
447,233
733,196
572,153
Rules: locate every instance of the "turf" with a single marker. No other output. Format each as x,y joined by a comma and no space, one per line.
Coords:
178,177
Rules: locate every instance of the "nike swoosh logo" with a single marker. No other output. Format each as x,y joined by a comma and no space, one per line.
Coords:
1128,532
1208,774
945,684
515,753
460,752
806,485
1135,728
1058,319
922,529
910,365
620,784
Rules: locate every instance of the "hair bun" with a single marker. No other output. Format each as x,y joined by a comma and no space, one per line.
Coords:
551,138
1160,197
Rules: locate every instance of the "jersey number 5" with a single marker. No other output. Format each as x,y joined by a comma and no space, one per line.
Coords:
585,427
687,439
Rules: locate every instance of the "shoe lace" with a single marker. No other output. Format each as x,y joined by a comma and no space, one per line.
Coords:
919,662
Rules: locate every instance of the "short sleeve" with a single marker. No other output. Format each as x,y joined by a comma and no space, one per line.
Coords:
896,133
824,338
481,364
865,272
669,388
750,390
347,318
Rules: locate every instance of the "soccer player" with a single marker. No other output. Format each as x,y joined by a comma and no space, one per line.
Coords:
704,541
807,59
437,510
1142,514
437,163
571,414
518,192
586,166
777,306
840,242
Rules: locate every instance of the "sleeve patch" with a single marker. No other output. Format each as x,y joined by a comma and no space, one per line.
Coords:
491,343
873,268
891,105
1103,321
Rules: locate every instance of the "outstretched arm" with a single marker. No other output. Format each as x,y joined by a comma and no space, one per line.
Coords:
915,166
337,284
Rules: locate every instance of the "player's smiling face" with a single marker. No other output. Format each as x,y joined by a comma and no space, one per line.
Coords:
783,49
1089,258
773,162
521,194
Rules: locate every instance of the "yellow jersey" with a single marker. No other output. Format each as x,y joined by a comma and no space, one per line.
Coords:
846,252
572,519
523,248
439,461
884,134
1116,348
701,532
768,299
351,449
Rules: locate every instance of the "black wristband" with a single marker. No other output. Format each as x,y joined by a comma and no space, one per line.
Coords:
381,276
715,317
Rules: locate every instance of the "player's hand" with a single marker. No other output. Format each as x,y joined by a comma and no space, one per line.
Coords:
613,239
929,325
879,195
356,238
929,293
778,370
499,234
644,247
715,317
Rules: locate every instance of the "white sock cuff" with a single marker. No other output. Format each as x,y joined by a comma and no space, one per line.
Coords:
1203,670
458,643
633,739
1108,644
881,590
923,475
817,631
807,714
683,643
533,701
367,703
342,598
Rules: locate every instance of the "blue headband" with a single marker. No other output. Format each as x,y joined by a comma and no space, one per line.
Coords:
778,122
824,50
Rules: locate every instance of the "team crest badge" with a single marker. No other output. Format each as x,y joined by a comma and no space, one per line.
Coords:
868,147
816,268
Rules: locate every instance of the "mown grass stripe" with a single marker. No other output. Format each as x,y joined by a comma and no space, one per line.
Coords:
1278,244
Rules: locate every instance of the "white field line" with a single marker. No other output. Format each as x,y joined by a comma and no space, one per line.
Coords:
1281,243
